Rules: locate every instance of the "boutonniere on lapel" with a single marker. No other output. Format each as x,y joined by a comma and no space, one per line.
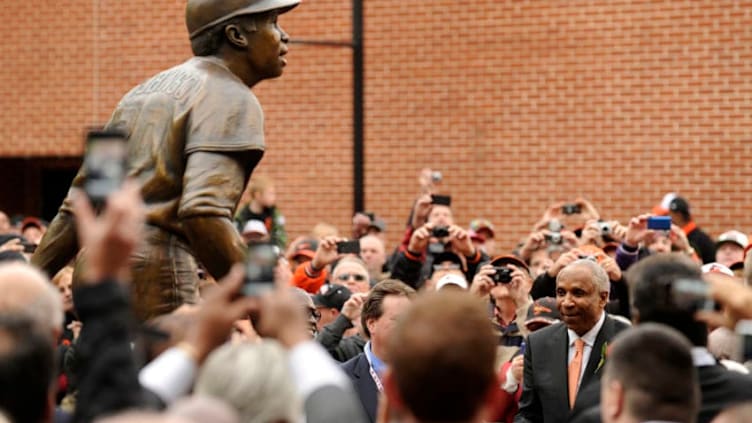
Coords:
604,353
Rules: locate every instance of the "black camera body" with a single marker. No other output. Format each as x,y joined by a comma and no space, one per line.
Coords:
503,275
440,232
570,209
605,228
554,238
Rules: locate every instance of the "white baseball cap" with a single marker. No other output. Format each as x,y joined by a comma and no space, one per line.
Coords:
452,279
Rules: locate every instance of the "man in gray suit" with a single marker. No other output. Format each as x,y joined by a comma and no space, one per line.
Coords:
562,359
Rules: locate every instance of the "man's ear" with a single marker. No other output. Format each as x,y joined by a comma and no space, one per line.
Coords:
612,399
371,324
236,35
604,298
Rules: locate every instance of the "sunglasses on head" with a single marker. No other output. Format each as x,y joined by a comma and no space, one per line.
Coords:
346,276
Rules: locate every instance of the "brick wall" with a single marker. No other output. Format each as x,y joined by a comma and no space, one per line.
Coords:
518,103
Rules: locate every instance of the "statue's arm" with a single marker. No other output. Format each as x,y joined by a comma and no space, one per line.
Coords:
60,242
212,185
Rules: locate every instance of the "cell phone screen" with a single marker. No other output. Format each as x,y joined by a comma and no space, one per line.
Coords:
259,268
659,223
348,247
104,163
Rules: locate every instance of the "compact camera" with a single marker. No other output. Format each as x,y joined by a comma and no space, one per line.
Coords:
440,232
503,275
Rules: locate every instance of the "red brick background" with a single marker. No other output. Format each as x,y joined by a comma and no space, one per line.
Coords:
518,103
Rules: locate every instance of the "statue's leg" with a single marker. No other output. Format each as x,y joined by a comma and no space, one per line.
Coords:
164,274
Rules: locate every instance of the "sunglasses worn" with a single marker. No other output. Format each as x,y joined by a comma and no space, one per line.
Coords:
346,276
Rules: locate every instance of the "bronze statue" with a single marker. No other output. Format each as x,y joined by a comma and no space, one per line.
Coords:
195,134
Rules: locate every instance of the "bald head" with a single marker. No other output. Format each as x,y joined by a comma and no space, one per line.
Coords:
28,292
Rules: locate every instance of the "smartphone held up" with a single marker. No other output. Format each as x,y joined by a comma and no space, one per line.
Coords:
105,163
259,268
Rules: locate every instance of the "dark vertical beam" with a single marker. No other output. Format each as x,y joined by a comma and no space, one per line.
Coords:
358,123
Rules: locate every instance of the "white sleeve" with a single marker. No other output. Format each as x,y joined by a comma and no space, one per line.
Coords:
312,368
511,383
170,375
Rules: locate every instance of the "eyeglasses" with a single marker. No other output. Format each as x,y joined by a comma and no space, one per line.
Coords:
356,276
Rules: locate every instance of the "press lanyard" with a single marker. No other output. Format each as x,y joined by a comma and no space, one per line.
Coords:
374,376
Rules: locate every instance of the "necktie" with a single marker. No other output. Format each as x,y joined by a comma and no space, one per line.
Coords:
574,370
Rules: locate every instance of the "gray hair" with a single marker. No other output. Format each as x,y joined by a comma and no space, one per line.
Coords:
28,292
600,277
254,379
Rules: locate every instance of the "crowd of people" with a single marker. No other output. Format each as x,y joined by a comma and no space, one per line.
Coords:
180,298
587,319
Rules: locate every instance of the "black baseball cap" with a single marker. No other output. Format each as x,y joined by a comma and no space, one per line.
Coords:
679,205
332,296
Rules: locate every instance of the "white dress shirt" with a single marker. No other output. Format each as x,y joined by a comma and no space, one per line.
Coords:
589,339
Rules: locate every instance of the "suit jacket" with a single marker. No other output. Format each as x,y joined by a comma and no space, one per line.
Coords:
544,392
720,388
333,404
357,369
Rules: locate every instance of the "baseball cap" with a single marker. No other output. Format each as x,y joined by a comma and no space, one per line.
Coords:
662,208
734,237
717,268
475,236
255,226
201,15
332,296
509,259
446,256
679,205
543,311
31,221
307,248
591,250
478,225
378,224
451,279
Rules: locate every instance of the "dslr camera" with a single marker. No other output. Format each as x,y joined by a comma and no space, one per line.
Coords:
503,275
440,232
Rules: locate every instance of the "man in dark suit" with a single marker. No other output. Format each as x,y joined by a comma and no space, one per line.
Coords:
719,387
651,283
564,358
386,301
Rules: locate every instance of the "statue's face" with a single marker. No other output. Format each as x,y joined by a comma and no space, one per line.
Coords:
267,47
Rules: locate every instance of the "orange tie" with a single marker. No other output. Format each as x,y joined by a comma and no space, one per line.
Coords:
574,370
